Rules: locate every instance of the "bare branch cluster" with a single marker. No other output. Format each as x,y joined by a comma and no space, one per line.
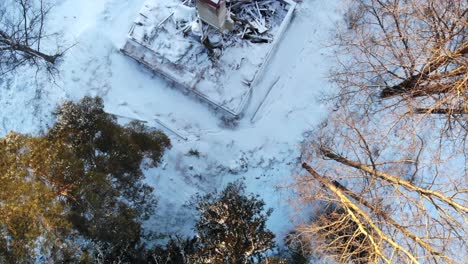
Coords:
22,35
408,53
397,180
396,197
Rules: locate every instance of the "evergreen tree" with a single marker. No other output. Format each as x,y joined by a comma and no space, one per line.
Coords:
108,199
176,251
232,227
29,209
84,173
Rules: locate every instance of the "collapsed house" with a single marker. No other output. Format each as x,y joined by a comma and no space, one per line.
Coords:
214,13
216,49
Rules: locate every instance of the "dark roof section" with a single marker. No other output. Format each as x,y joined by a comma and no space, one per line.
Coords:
215,3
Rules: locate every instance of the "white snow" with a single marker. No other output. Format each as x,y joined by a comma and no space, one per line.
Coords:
264,152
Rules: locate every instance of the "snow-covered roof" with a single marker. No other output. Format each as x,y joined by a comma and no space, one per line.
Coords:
215,3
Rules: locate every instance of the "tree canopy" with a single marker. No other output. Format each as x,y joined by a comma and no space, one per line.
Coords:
231,228
82,178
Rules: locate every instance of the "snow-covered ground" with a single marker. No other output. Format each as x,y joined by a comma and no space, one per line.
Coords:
265,152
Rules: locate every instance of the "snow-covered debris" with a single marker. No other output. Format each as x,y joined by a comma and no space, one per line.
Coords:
218,67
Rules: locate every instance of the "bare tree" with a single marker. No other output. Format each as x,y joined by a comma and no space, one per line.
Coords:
22,33
398,187
397,197
408,53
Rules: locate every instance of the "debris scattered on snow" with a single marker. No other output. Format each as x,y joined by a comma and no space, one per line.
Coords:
216,66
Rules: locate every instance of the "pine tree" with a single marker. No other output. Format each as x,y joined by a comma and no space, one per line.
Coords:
177,251
29,209
84,174
107,197
232,227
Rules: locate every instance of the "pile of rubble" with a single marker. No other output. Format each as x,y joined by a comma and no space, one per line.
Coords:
216,49
255,19
234,21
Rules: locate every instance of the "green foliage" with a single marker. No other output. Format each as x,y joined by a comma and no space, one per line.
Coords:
232,227
107,198
29,208
85,174
176,251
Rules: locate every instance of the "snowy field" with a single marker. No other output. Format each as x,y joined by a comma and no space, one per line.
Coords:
264,150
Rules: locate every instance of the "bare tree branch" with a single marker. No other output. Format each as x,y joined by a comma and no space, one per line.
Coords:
22,33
